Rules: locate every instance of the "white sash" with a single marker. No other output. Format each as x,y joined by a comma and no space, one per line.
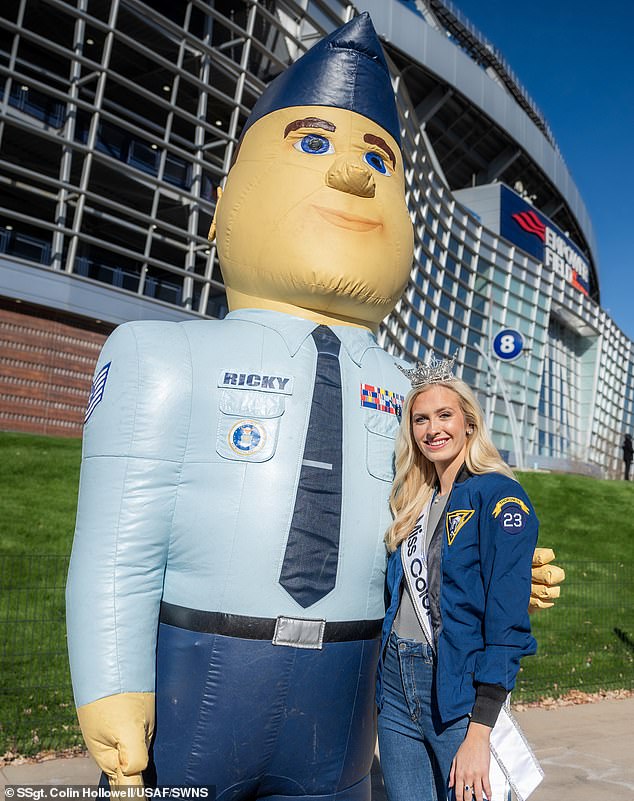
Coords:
513,764
414,562
512,761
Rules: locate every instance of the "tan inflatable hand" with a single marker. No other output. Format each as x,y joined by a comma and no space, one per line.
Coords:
117,730
545,578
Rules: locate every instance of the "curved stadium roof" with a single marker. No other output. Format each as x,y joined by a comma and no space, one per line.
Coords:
481,122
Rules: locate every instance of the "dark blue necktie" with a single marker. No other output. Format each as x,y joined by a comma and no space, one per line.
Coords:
309,570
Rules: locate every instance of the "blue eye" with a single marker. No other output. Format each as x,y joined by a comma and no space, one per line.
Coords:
315,145
376,161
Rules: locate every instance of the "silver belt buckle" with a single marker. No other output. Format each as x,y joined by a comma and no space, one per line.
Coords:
297,632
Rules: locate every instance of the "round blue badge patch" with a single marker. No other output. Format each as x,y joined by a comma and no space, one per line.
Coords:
247,437
512,519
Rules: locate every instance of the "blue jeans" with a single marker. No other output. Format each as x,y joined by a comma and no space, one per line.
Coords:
416,748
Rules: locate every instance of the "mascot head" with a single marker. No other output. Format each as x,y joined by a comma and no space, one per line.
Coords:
313,219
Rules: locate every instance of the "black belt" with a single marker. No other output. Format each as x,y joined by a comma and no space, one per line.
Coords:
260,628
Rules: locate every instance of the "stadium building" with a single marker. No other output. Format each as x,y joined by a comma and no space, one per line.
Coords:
118,120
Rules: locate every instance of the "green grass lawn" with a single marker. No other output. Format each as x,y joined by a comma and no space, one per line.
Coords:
39,476
586,642
583,518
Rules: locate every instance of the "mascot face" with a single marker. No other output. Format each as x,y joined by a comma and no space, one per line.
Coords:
313,216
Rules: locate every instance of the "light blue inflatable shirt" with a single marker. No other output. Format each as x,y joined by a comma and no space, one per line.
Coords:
191,460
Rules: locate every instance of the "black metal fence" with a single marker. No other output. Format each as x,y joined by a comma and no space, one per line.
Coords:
36,701
585,643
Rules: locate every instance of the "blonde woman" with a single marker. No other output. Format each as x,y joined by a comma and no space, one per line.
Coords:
459,581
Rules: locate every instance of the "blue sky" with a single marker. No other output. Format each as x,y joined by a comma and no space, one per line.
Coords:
576,60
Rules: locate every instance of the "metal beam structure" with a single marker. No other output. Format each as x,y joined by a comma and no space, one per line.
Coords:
120,118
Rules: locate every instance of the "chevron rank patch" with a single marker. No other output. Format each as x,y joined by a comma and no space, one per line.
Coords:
512,514
96,391
455,521
383,400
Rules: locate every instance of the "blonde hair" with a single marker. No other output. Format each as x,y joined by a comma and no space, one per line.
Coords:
416,478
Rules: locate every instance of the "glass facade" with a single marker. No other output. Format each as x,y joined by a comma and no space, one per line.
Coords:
119,119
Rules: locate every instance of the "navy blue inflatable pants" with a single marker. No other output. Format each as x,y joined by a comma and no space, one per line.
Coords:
257,720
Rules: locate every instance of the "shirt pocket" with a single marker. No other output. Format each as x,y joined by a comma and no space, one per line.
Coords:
248,424
380,436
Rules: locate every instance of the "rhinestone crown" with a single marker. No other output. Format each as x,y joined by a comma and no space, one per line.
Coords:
433,372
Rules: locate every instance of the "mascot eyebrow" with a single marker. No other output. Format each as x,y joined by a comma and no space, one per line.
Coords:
309,122
371,139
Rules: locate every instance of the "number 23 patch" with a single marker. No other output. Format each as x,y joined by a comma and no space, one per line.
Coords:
511,514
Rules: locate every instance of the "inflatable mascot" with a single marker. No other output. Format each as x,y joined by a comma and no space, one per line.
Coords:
226,586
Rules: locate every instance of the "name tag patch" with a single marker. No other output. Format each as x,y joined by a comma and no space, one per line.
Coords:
383,400
512,514
265,382
97,390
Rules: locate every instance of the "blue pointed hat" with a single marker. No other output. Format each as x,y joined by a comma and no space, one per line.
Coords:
345,70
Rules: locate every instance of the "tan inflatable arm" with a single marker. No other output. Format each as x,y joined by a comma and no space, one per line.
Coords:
117,730
545,578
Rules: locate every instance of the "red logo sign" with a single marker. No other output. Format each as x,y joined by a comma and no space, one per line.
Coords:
531,223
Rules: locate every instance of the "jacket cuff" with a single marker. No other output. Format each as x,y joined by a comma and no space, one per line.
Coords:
489,700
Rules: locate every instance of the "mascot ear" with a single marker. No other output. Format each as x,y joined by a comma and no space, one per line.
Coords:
212,228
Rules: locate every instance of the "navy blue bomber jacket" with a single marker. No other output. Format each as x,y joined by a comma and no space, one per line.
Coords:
479,590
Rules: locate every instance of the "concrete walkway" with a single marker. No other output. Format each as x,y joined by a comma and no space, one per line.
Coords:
586,751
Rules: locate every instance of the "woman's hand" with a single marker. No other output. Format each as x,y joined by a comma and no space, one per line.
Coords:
470,766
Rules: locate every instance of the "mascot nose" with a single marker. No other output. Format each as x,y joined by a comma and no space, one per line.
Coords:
346,176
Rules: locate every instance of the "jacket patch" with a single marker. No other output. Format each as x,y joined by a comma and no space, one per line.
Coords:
455,521
512,514
517,501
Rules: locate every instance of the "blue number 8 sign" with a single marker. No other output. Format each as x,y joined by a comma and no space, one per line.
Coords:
508,344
